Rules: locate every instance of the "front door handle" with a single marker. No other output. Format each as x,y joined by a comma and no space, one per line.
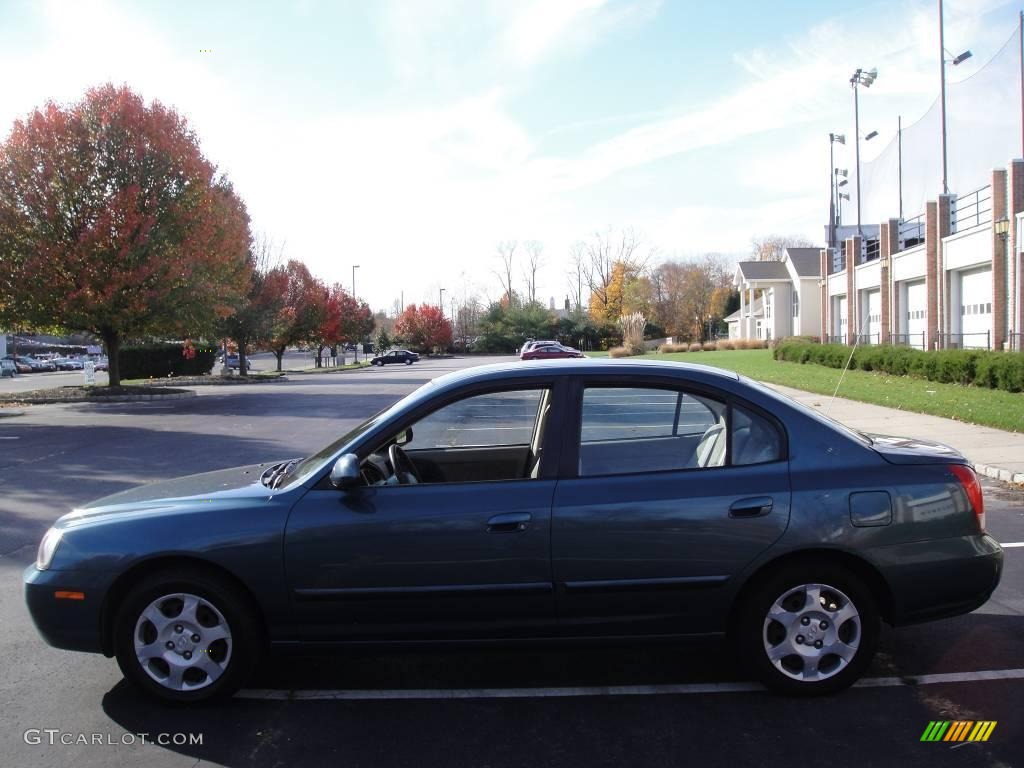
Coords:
757,506
509,522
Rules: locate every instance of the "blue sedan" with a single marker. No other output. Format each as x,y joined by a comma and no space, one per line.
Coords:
593,498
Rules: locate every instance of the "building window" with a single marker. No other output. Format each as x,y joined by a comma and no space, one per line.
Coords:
796,304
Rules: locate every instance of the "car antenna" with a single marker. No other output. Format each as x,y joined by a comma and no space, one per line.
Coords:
856,343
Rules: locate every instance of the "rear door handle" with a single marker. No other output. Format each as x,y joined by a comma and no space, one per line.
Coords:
509,522
757,506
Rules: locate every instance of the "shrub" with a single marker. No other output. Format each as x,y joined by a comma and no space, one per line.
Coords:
984,368
709,346
619,352
726,344
162,360
695,347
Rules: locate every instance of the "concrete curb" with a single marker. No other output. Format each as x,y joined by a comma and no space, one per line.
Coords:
114,399
997,473
10,412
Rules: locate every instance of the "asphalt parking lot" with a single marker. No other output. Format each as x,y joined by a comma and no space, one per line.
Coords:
644,705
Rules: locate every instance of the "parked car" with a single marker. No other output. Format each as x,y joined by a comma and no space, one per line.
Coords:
101,365
553,351
67,364
29,364
234,364
395,356
601,498
528,345
8,368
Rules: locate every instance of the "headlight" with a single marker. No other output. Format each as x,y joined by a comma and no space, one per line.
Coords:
47,548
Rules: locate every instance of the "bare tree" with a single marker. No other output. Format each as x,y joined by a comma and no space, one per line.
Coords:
688,295
506,251
773,247
602,252
534,260
575,277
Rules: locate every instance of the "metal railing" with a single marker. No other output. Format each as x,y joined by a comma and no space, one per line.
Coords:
835,340
838,261
870,250
1015,341
971,209
915,340
911,232
868,338
978,340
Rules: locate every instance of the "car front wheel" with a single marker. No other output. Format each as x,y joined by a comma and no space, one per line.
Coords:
809,629
186,636
408,361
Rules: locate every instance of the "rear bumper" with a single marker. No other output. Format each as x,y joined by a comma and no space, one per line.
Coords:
936,579
73,625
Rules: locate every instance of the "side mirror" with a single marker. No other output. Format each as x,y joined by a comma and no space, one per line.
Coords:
345,472
404,438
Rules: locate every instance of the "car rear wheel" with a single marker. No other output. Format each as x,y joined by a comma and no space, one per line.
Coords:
408,361
809,629
186,636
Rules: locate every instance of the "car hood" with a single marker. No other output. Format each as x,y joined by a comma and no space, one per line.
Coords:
912,450
221,485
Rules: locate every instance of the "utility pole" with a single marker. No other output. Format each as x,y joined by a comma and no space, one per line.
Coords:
942,98
354,268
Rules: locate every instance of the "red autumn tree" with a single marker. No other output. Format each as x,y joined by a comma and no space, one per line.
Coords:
113,222
346,319
302,307
424,328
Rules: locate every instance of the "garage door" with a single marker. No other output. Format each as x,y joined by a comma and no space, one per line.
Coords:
975,307
874,315
915,313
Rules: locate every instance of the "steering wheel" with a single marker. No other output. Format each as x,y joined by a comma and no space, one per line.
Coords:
402,465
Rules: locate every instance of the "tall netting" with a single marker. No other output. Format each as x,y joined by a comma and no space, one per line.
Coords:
983,131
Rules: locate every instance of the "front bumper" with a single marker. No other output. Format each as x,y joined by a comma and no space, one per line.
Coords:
940,578
73,625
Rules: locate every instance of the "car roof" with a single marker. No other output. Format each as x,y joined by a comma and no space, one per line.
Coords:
590,366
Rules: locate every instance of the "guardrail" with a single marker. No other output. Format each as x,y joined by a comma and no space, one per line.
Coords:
971,209
978,340
911,232
915,340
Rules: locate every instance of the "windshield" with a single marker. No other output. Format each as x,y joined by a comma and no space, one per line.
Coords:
302,470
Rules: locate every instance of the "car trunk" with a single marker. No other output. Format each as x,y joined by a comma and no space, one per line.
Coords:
909,450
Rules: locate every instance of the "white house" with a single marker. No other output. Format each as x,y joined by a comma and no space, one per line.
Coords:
778,298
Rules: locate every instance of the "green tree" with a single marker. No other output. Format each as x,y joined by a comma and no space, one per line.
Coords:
383,342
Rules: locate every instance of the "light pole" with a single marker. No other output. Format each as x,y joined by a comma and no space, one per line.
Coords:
865,78
957,61
440,299
833,138
354,268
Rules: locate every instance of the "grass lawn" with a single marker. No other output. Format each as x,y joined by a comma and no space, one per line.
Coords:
976,405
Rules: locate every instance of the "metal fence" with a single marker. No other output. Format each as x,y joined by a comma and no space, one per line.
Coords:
971,209
838,261
915,340
979,340
868,338
911,232
1015,341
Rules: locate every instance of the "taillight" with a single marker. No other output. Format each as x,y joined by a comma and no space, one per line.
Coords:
972,487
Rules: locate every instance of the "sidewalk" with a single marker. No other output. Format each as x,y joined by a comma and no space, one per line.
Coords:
993,452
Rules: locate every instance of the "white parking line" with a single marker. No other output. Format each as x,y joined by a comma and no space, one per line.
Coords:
1011,544
398,694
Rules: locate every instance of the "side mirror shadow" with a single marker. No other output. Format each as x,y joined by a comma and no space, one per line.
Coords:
345,472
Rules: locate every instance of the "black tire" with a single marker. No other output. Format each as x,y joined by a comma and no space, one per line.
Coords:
408,361
236,608
754,633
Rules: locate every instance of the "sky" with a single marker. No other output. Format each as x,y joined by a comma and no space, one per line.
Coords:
410,137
